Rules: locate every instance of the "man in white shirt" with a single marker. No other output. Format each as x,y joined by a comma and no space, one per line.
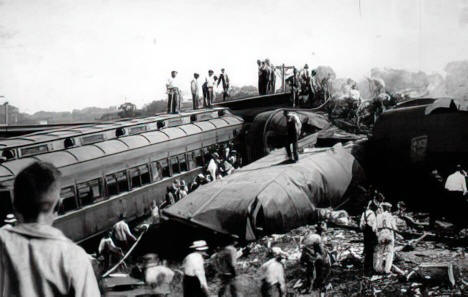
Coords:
273,280
194,283
385,250
36,259
456,182
210,84
195,90
213,166
173,93
122,233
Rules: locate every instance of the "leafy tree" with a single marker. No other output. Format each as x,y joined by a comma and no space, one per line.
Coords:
127,110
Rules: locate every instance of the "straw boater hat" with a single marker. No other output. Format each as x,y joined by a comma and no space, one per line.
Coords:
10,219
199,245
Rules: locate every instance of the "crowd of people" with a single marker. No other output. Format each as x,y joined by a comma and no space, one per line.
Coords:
35,255
223,162
267,74
203,94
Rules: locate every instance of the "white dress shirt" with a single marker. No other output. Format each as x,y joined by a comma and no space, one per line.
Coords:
172,83
210,82
194,266
456,182
272,273
194,86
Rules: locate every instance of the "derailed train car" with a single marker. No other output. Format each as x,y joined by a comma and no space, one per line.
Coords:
271,196
411,141
268,131
122,175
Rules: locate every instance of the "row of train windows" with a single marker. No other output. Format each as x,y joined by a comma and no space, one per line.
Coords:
96,190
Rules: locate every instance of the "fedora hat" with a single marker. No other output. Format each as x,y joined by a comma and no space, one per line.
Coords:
199,245
10,219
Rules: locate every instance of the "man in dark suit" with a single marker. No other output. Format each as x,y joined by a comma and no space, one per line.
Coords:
224,79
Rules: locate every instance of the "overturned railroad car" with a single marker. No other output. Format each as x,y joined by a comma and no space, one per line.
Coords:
411,141
117,168
271,195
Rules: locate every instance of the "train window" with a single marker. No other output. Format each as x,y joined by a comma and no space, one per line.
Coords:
111,185
144,174
165,168
156,171
175,165
198,157
191,160
67,200
182,162
206,154
85,194
135,177
122,181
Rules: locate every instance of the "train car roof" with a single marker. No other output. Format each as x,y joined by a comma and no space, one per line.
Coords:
96,150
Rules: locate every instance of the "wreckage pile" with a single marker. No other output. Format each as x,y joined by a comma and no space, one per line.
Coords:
431,266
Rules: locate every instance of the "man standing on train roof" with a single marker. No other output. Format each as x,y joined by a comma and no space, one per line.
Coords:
173,93
36,258
210,85
294,127
195,88
194,283
224,79
122,233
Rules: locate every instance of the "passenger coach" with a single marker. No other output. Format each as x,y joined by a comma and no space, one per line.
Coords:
124,174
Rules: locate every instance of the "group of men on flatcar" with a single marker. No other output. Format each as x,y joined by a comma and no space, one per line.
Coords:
208,90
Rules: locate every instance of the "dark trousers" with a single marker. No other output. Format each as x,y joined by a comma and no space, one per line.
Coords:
370,241
192,287
260,85
173,103
225,92
292,155
228,284
195,101
269,290
210,97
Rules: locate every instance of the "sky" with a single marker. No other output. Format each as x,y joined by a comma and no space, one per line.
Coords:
59,55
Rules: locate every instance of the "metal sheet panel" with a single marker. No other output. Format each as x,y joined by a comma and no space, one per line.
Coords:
232,120
219,123
58,159
205,126
191,129
155,136
4,172
174,132
87,152
134,141
112,146
16,166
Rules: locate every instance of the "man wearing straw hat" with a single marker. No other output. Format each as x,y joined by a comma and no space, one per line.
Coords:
10,221
194,283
